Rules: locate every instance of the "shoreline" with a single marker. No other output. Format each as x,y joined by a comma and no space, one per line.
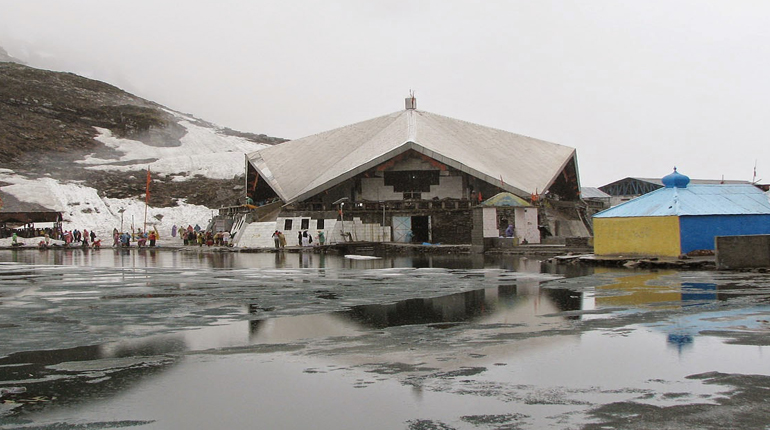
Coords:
557,254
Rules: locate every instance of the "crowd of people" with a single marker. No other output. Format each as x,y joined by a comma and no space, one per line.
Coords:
82,238
197,236
142,238
29,231
189,235
70,238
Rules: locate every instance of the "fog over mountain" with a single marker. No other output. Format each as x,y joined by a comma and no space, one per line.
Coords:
637,87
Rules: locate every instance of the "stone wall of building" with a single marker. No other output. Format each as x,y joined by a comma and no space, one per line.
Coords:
447,227
741,252
479,231
452,227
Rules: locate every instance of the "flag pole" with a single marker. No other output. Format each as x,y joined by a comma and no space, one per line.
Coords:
146,198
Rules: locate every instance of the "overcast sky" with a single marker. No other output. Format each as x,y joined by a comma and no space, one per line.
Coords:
637,87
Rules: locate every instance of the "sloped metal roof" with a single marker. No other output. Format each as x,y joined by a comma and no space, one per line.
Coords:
12,204
699,199
14,210
635,186
301,168
657,181
593,193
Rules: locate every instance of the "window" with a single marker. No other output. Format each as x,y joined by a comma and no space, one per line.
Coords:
305,224
287,224
412,180
320,224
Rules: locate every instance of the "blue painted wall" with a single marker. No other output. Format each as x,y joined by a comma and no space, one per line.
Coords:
698,232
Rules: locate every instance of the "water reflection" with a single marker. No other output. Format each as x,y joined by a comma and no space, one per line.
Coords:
205,258
680,340
506,304
494,335
652,288
75,375
666,290
699,291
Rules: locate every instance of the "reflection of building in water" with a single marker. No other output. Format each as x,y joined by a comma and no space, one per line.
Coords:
522,264
504,304
452,308
290,329
638,290
698,291
305,260
653,288
680,340
498,320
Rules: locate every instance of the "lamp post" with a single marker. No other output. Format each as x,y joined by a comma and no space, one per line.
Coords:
341,202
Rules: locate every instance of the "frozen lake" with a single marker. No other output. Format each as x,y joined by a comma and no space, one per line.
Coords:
161,339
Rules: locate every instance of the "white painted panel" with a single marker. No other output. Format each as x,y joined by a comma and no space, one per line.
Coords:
402,226
526,225
489,216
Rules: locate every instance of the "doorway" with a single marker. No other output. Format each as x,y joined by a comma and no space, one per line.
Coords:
421,229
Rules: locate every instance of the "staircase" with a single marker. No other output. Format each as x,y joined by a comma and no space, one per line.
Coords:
256,235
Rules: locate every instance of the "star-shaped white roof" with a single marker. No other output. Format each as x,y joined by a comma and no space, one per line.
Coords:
301,168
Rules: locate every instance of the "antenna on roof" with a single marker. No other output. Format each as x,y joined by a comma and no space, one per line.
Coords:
754,177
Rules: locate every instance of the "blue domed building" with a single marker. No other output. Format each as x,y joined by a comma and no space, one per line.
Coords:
680,218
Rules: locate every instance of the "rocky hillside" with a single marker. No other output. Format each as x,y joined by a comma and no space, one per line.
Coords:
54,124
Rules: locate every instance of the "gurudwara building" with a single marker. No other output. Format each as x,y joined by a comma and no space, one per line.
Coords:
409,176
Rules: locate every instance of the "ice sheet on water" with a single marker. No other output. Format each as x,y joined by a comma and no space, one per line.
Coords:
62,306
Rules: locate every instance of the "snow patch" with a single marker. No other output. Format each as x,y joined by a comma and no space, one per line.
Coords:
203,151
180,115
82,207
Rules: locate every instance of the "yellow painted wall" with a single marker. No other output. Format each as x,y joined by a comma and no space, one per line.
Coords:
642,236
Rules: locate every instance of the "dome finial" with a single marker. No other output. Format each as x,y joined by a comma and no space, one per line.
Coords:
675,180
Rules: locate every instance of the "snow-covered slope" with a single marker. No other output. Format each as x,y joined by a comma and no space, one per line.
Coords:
202,152
83,208
79,146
